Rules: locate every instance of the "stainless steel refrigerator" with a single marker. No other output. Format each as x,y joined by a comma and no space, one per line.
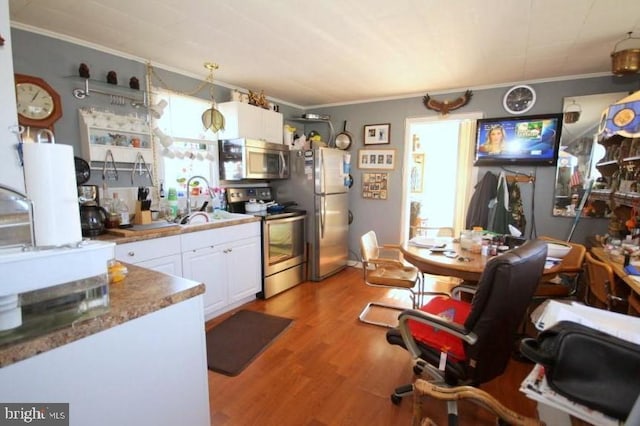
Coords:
316,184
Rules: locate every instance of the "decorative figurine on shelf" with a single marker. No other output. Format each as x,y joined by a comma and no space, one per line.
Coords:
112,77
84,71
258,99
134,83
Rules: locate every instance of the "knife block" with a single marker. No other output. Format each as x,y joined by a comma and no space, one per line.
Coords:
142,217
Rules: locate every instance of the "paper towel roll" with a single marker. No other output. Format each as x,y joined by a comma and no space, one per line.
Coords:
49,175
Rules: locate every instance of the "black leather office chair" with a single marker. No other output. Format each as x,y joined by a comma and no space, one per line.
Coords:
477,337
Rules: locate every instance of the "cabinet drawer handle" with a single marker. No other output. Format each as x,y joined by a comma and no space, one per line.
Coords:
131,253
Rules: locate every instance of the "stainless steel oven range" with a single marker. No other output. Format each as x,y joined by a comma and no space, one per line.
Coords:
284,255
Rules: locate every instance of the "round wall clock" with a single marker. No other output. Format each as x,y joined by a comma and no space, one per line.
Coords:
519,99
38,104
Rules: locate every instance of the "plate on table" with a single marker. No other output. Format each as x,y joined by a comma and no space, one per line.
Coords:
433,244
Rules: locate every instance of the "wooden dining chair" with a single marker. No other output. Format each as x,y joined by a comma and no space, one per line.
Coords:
634,304
566,284
434,231
602,290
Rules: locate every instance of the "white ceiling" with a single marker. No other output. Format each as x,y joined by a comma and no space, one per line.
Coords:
331,52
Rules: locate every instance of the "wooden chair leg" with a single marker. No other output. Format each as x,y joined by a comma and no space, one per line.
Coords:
477,396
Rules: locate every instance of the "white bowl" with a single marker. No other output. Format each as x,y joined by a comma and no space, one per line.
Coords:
558,250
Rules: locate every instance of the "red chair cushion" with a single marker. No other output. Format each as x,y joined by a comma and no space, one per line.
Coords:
451,309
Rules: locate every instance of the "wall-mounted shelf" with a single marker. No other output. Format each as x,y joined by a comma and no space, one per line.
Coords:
120,95
123,136
332,132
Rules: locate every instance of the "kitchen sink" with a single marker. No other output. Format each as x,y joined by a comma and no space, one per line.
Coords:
219,216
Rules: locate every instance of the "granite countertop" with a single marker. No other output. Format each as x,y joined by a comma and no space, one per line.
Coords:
125,236
129,299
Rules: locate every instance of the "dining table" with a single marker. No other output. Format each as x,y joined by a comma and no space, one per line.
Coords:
451,260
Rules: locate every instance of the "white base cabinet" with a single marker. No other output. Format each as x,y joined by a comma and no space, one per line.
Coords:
207,265
171,265
148,371
158,254
244,275
228,261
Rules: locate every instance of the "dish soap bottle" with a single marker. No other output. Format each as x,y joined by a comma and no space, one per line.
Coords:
173,203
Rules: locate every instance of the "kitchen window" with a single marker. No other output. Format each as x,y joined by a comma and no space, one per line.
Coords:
189,159
183,146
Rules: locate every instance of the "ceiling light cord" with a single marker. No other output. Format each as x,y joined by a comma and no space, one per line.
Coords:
208,81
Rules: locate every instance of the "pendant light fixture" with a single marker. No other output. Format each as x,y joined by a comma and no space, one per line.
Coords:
212,118
625,58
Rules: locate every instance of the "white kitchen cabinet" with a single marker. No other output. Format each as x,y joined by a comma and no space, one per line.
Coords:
182,117
228,261
248,121
151,370
125,136
168,264
207,265
159,254
244,269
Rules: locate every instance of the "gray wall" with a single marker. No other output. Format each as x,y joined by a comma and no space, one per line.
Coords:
56,60
384,216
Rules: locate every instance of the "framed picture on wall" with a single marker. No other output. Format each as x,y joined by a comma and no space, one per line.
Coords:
375,186
379,159
377,134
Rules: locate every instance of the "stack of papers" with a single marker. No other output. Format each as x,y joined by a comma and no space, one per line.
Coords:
535,387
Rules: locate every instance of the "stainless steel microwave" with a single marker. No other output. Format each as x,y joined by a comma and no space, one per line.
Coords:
253,159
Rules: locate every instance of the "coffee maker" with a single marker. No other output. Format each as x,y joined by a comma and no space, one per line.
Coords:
92,215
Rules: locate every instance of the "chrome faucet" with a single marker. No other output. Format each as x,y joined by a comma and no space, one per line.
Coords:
189,191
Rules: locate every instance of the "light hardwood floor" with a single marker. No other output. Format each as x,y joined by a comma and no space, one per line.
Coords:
328,368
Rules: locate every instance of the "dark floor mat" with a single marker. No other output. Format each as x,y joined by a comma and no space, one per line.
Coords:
238,340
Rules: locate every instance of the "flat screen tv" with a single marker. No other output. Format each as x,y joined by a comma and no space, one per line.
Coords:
527,140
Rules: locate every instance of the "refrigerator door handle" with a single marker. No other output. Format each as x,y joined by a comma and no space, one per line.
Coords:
323,175
323,212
